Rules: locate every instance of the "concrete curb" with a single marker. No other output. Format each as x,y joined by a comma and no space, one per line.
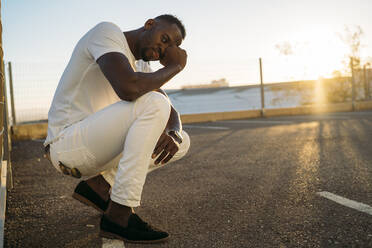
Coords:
3,191
29,131
217,116
39,130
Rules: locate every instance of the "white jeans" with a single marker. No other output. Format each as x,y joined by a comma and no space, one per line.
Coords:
118,142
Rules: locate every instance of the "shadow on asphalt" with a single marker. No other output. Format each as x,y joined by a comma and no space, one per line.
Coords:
253,185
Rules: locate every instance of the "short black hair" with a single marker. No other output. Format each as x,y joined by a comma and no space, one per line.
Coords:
171,19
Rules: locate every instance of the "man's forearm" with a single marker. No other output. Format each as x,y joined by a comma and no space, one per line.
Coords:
128,84
146,82
143,83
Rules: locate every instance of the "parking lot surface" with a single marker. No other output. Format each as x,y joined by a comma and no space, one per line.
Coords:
244,183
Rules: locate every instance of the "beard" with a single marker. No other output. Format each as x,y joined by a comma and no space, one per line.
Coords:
144,54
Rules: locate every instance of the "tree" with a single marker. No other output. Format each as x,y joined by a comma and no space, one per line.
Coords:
285,48
352,38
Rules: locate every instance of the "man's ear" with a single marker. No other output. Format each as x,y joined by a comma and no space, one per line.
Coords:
149,24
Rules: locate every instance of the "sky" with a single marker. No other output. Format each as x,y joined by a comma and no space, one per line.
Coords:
224,38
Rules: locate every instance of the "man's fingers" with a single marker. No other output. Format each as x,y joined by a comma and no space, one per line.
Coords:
161,157
158,150
159,146
167,147
170,155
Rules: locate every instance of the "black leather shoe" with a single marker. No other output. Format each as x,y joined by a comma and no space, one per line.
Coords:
85,194
137,231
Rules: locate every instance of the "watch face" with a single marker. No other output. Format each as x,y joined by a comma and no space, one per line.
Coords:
177,134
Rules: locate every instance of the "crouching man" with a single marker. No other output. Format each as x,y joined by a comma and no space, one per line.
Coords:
110,121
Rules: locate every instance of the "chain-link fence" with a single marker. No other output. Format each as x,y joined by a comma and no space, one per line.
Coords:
287,83
31,88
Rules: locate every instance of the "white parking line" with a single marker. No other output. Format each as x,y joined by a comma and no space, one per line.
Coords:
259,122
206,127
330,117
346,202
112,243
356,113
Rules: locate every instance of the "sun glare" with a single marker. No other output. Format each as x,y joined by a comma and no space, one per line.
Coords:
316,54
326,53
319,92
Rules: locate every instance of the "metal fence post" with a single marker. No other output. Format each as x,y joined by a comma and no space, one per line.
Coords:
352,83
369,83
366,88
11,93
262,91
366,80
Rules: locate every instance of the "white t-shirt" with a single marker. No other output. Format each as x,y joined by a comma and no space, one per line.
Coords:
83,89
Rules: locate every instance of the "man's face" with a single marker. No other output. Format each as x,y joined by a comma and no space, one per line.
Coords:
157,37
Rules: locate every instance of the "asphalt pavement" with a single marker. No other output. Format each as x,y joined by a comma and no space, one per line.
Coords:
244,183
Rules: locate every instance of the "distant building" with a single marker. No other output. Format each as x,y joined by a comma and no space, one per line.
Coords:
214,84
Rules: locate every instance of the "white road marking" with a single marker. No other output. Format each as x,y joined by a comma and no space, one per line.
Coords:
256,121
346,202
205,127
317,117
112,243
356,113
329,117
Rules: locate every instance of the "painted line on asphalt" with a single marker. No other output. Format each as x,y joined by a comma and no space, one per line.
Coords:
112,243
259,122
347,202
355,113
316,118
206,127
330,117
297,120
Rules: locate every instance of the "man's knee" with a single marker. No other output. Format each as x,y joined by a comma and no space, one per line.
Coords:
185,145
158,101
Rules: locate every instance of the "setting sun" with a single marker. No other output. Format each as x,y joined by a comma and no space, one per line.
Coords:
313,54
323,53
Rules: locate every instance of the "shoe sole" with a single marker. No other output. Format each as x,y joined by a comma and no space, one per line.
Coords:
110,235
86,201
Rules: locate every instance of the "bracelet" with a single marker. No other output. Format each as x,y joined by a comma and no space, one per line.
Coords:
177,134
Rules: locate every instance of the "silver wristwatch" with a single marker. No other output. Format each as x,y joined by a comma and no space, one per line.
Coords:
176,135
